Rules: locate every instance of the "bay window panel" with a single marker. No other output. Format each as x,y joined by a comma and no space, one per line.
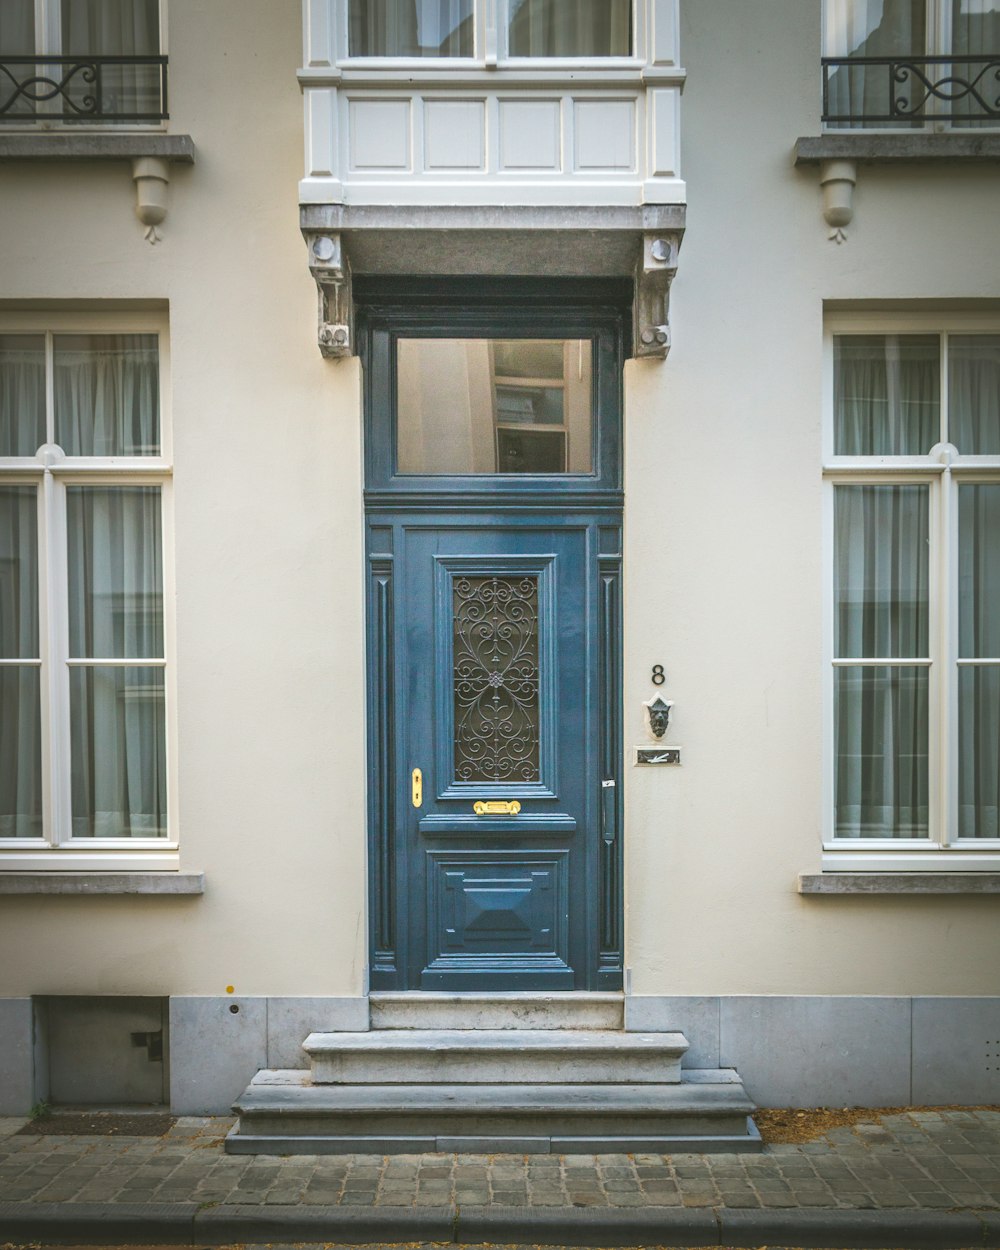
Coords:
107,394
18,573
974,393
887,394
411,28
22,394
881,735
118,752
20,751
115,561
578,28
881,571
979,751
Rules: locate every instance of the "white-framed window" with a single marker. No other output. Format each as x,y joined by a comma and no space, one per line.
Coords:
86,689
83,61
474,30
905,64
912,538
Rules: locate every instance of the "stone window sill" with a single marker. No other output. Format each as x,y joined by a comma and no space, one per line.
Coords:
96,147
891,149
899,883
165,883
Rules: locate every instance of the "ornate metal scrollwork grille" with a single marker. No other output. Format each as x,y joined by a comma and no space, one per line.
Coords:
912,89
90,88
496,678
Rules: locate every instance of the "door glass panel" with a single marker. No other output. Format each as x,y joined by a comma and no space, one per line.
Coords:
495,666
570,28
473,406
411,28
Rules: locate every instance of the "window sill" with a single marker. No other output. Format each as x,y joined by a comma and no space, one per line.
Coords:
61,146
899,883
166,883
890,149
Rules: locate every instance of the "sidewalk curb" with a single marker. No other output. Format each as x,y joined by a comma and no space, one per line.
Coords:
184,1224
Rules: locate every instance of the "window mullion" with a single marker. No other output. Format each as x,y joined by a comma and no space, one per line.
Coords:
56,671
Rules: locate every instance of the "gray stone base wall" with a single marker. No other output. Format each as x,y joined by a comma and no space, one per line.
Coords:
790,1051
804,1051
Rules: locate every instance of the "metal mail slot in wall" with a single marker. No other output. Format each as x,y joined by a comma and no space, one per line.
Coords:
657,755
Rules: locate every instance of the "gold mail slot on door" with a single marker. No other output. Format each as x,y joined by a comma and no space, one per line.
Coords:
496,807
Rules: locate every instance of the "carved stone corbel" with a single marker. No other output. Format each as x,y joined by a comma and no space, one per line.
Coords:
331,270
652,293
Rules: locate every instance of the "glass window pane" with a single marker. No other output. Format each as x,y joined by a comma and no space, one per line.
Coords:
979,571
881,563
880,725
17,31
20,752
978,752
495,662
975,31
411,27
974,393
111,27
115,572
18,573
494,406
878,28
22,394
118,769
887,394
107,400
570,28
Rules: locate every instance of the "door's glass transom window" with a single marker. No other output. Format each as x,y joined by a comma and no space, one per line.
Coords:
474,406
906,63
83,640
914,481
522,28
77,87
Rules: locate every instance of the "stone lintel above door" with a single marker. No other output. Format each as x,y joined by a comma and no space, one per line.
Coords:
542,241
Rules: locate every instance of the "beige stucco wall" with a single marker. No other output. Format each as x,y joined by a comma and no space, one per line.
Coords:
268,537
723,537
723,559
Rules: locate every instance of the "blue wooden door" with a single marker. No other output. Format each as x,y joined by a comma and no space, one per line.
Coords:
494,735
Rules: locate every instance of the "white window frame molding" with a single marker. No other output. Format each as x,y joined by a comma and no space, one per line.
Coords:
57,850
938,26
941,472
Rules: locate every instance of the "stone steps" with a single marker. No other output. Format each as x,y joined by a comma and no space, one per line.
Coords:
418,1010
708,1113
495,1056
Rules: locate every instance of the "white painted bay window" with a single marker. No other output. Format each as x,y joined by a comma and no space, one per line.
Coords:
891,64
85,712
913,497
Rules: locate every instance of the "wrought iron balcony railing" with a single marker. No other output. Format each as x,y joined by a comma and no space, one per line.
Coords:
872,90
83,88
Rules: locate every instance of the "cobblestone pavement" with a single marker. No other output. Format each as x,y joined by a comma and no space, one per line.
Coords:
926,1160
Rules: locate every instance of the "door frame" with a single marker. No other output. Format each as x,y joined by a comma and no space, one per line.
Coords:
387,309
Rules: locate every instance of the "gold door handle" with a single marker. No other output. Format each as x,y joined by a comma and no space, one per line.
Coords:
496,807
417,793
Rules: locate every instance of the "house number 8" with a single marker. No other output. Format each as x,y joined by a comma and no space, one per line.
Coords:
659,677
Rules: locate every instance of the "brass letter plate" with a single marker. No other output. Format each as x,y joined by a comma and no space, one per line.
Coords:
496,807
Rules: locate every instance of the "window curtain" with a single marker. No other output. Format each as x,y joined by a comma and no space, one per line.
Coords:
979,639
116,613
22,394
881,711
411,28
116,28
975,31
887,394
870,28
107,395
570,28
20,707
974,393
